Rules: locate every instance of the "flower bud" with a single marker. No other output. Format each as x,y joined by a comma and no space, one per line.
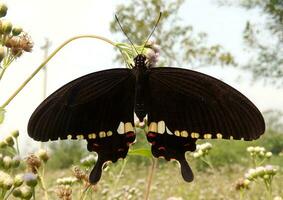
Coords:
250,149
17,193
18,180
26,192
6,27
42,154
17,30
268,154
3,144
16,161
7,162
15,134
9,140
3,10
8,183
30,179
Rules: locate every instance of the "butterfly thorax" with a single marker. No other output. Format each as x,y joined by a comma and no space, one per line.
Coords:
140,69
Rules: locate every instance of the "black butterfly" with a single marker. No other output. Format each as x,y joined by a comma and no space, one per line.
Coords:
181,106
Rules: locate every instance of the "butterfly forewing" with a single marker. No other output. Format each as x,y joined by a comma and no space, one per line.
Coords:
97,107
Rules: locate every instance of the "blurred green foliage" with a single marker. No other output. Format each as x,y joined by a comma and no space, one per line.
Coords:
180,44
65,153
264,40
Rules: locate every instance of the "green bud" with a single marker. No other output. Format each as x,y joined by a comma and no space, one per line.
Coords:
8,183
6,27
30,179
7,161
18,180
17,193
3,10
9,140
42,154
17,30
15,134
26,192
16,161
3,144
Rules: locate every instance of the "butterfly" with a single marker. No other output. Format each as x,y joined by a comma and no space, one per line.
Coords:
181,106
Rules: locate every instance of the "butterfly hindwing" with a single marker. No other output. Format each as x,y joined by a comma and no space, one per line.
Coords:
97,107
185,105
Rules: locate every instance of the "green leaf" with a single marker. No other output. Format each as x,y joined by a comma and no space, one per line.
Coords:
140,152
2,115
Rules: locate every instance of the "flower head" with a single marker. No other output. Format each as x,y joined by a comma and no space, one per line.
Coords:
33,162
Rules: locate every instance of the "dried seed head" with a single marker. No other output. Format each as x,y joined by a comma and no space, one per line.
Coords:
64,192
80,174
33,162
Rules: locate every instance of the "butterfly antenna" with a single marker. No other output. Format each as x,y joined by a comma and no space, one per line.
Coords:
125,33
159,17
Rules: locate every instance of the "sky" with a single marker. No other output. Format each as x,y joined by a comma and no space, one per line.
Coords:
60,20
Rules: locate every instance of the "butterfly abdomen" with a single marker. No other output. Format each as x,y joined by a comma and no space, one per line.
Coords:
141,88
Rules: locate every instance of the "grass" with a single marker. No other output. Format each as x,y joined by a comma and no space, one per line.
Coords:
167,182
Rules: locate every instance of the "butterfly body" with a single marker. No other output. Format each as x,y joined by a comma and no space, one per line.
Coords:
140,70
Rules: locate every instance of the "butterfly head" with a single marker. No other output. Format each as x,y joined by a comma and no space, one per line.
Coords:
140,60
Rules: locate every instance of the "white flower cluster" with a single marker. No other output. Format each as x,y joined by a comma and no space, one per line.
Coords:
265,172
202,150
259,151
66,181
89,161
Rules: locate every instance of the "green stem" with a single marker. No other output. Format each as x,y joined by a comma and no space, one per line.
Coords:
17,146
120,175
2,72
10,192
33,193
48,59
41,179
206,161
84,194
149,181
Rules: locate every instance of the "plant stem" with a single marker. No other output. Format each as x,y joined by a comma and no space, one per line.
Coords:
48,59
41,179
17,146
10,192
149,181
33,193
120,175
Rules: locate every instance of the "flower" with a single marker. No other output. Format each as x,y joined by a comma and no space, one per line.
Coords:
242,184
89,161
64,192
42,154
3,10
30,179
7,161
15,133
18,180
66,181
33,162
80,174
16,161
